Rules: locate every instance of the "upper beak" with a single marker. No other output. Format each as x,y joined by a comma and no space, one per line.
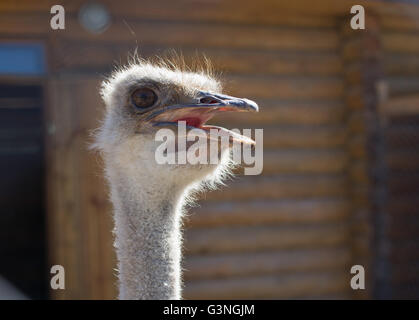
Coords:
232,103
209,104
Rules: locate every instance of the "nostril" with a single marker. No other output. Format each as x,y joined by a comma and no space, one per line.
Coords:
208,100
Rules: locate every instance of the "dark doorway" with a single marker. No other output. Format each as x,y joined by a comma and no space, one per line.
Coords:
22,213
397,201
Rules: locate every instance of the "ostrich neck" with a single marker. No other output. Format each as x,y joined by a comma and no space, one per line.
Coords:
148,239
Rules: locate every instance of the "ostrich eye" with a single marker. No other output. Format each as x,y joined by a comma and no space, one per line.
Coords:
143,98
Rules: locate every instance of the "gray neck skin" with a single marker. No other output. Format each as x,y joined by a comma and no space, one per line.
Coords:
148,241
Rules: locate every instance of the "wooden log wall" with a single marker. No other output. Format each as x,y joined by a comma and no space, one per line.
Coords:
284,234
288,227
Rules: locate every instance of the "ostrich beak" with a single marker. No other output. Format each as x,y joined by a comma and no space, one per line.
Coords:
196,115
209,104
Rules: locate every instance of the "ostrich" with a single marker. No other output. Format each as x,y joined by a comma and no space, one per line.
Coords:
148,198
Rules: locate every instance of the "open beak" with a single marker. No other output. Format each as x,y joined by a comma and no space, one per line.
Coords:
196,115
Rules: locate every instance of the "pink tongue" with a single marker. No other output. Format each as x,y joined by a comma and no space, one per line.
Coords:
192,122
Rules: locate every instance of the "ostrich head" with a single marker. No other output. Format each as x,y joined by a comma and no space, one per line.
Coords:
145,97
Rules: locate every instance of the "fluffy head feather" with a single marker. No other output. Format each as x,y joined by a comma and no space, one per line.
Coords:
127,141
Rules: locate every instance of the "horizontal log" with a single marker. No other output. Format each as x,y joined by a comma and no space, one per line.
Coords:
400,64
269,212
301,161
400,42
401,106
252,238
291,112
280,63
262,263
188,34
304,137
285,87
70,55
304,161
278,287
293,137
27,25
281,187
398,23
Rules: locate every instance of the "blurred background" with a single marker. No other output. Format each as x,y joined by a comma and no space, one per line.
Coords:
340,113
